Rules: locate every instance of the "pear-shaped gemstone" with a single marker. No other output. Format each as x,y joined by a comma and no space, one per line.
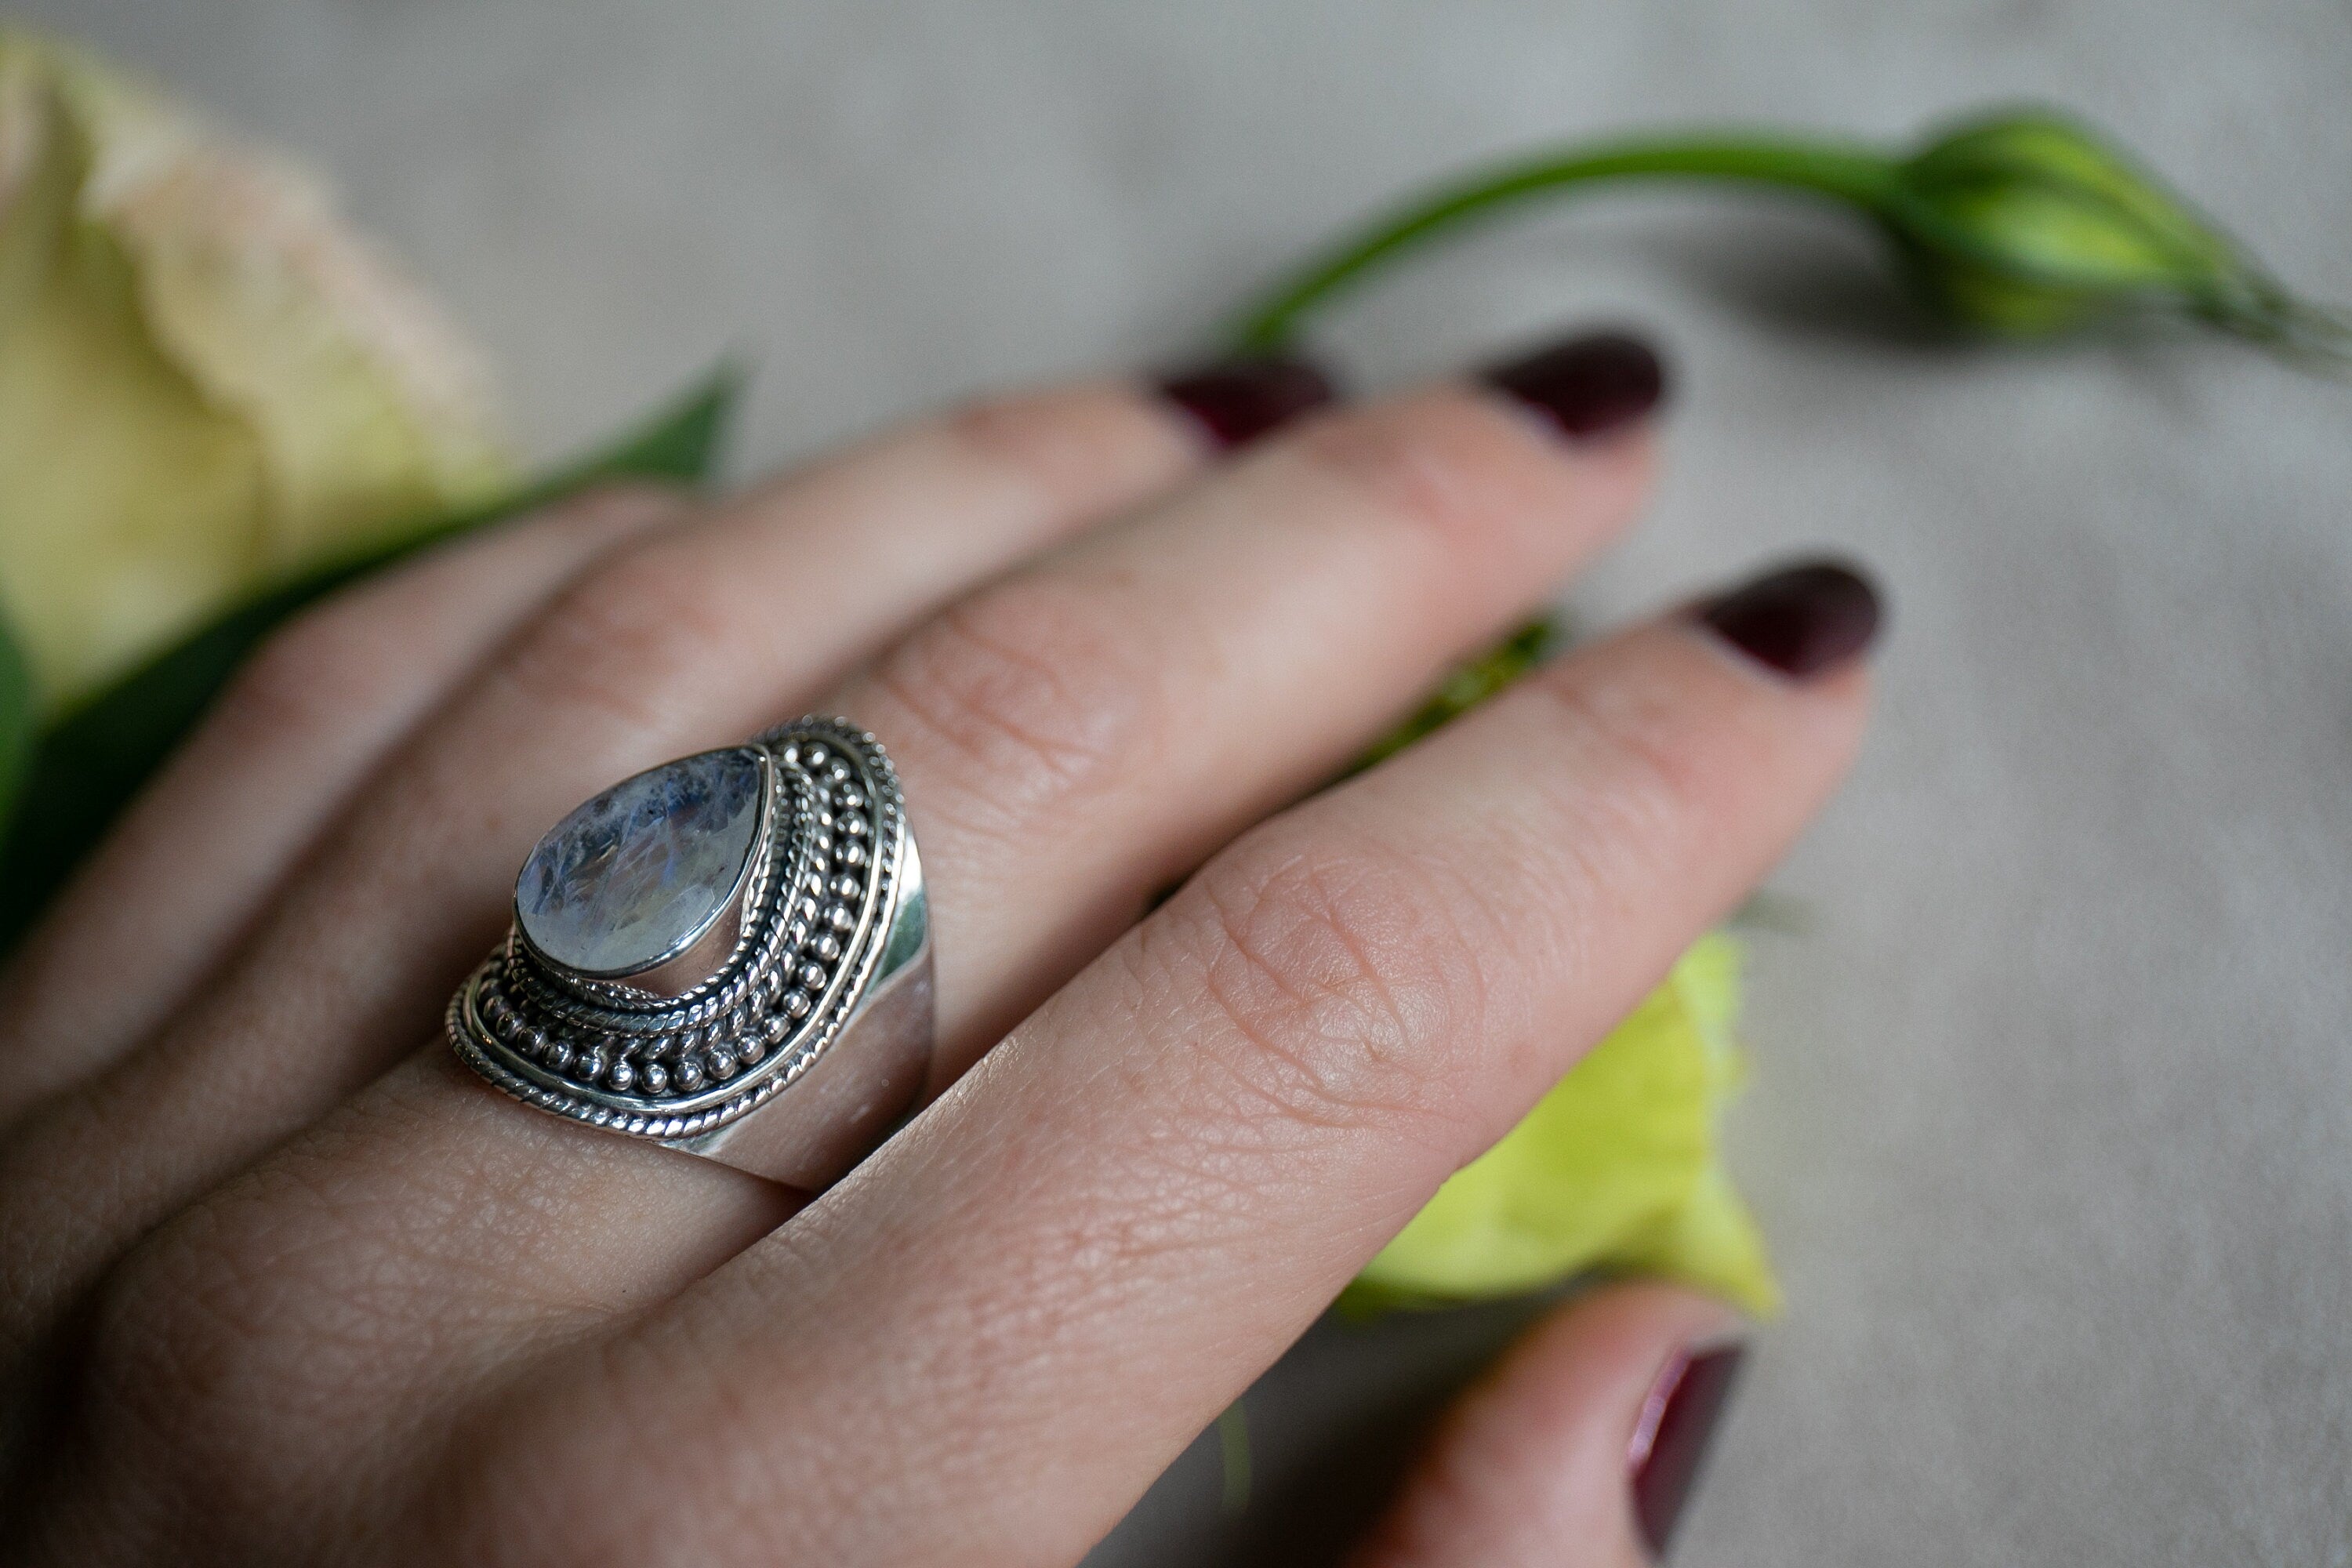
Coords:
637,874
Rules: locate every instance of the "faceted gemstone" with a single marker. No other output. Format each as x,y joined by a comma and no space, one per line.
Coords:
637,873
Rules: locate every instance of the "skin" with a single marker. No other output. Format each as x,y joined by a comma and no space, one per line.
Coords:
286,1285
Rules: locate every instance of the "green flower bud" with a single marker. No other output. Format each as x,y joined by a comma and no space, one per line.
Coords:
2026,224
2022,224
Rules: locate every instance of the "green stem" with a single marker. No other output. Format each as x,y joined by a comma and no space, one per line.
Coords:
1845,170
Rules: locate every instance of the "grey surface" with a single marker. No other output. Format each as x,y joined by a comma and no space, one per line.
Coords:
2051,1124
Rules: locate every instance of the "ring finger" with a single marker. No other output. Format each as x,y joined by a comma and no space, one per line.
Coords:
671,644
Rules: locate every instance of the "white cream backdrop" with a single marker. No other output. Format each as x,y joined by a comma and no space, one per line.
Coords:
2052,1115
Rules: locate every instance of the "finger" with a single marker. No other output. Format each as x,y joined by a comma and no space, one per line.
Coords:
1076,740
995,1332
1072,740
321,703
1579,1449
701,635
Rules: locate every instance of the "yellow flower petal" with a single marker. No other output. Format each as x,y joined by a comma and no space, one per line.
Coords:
1615,1169
204,384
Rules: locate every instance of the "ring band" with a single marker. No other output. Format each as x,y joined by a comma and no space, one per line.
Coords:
729,954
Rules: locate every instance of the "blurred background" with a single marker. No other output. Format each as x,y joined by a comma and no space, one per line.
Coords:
2050,1119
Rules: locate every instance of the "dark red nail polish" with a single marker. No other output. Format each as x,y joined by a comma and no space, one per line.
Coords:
1237,401
1669,1444
1799,620
1587,386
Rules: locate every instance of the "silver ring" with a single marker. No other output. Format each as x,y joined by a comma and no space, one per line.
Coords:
729,954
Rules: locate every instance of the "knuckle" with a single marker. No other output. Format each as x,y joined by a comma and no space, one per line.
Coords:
505,1493
1431,465
1640,776
621,505
490,1511
42,1198
245,1343
1350,979
1039,687
621,638
313,673
177,1380
1068,447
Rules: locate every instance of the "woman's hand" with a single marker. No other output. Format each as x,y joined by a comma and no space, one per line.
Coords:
282,1285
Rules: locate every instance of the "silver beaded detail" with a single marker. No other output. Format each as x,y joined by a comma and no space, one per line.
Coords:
815,916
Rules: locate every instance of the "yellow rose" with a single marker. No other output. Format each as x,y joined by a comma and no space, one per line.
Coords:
205,385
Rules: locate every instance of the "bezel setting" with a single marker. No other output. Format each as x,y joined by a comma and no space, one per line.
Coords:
821,911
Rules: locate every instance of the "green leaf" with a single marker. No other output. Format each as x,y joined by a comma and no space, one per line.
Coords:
15,720
86,768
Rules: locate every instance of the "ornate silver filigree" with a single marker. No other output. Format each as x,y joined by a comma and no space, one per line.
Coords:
819,993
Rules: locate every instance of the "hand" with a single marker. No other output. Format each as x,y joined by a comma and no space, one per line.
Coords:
283,1286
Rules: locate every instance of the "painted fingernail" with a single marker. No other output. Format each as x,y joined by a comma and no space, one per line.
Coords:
1587,387
1801,620
1669,1441
1237,401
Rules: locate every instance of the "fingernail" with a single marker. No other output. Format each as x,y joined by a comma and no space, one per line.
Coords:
1678,1418
1237,401
1799,620
1588,386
